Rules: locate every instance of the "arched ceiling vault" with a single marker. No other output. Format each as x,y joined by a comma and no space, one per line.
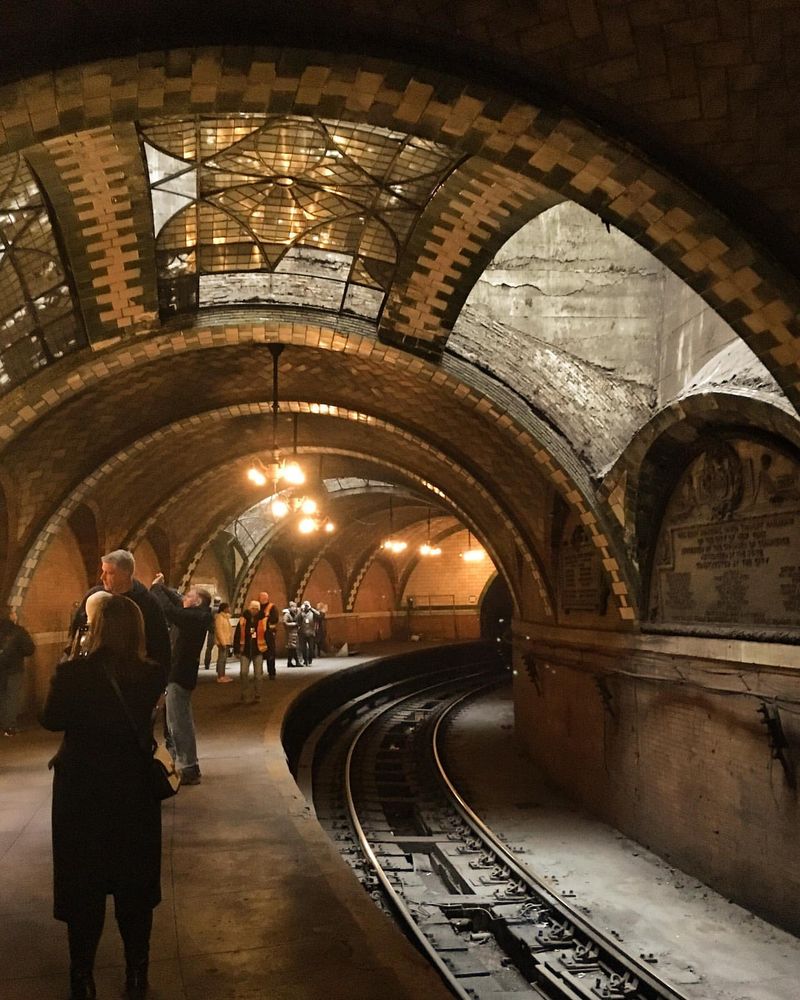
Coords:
111,407
169,493
117,413
93,172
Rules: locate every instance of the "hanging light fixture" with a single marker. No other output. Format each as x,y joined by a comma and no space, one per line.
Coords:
392,544
426,549
286,476
470,554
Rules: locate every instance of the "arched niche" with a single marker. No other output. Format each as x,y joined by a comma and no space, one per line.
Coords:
725,559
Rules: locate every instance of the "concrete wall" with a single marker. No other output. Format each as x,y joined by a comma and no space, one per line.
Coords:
691,335
600,297
662,738
566,280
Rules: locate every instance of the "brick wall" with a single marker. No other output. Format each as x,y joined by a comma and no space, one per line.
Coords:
447,579
663,740
58,583
376,592
323,587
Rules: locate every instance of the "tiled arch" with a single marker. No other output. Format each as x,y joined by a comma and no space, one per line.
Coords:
758,298
34,399
116,465
679,425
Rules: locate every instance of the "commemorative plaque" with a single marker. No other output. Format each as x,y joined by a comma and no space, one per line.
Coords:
581,577
729,547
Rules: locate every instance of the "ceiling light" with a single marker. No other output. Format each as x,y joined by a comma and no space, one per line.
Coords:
426,549
285,475
392,544
470,554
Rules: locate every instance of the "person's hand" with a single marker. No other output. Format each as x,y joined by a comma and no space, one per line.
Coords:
159,579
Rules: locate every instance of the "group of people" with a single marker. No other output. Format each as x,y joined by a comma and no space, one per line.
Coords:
305,633
120,667
253,640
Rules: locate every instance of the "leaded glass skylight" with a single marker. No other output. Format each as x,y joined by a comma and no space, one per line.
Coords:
284,209
37,319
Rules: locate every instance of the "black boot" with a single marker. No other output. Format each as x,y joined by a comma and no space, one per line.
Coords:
81,985
136,984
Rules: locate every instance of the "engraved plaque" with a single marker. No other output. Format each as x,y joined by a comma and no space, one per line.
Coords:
581,576
729,547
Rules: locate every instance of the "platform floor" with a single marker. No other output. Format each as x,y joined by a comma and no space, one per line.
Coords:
258,904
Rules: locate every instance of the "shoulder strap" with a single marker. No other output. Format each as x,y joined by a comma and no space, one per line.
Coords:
112,680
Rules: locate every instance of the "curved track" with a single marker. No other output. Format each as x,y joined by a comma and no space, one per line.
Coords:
489,925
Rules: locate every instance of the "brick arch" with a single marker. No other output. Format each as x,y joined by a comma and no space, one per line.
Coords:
758,298
320,563
414,561
376,562
116,464
685,419
510,416
83,523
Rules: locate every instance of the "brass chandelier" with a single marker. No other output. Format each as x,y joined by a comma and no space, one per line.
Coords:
286,476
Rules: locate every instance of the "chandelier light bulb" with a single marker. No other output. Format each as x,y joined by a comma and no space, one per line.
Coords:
395,546
307,525
280,508
309,506
256,476
330,527
427,549
293,474
473,555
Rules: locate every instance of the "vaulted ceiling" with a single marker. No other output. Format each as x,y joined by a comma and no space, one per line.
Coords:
188,197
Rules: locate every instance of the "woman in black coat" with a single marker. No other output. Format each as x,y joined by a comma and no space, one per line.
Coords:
106,820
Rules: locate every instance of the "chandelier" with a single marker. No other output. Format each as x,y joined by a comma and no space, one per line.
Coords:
470,554
426,549
286,476
392,544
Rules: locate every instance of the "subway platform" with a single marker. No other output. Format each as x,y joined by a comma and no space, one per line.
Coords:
258,904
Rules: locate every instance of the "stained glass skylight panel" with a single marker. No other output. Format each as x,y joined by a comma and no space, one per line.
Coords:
37,317
240,194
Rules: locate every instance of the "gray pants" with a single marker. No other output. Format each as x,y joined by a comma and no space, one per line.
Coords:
222,659
258,674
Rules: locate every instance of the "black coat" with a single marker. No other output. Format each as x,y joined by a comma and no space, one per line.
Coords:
15,645
106,823
156,633
192,626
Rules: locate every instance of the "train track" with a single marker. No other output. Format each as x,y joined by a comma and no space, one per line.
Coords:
492,929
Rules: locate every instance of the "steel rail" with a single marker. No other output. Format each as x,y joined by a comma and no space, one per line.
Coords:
660,986
395,897
533,934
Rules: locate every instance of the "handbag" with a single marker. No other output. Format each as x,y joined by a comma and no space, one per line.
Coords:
163,776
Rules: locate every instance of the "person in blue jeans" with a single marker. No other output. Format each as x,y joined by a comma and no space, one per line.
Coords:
190,613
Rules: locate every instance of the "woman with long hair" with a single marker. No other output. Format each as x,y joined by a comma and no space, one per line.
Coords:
106,819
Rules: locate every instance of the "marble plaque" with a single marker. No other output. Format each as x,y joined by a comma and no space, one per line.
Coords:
581,576
729,546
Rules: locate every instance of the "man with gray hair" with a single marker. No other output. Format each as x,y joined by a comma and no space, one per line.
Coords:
190,613
116,576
